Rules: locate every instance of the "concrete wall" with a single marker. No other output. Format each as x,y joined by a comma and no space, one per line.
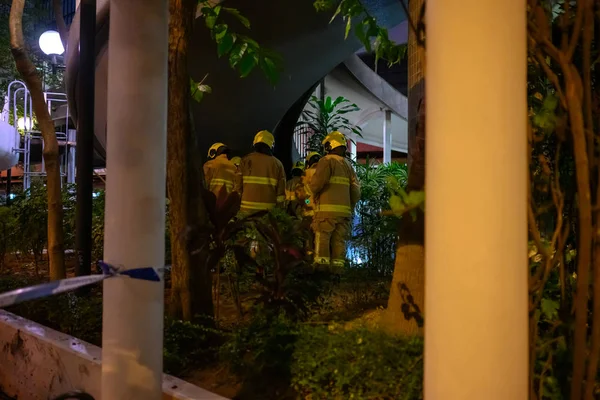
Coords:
38,363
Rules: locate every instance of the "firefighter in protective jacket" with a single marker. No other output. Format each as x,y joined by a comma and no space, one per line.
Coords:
262,176
218,170
303,192
336,191
292,203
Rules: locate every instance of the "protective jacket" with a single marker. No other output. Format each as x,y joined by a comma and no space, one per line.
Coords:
304,193
262,182
220,172
335,187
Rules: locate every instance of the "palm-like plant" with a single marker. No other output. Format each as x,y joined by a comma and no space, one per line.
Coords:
326,116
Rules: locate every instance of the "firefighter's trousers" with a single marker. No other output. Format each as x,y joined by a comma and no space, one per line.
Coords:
330,240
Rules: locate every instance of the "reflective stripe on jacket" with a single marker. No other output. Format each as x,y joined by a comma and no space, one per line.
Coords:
304,192
220,172
262,182
335,187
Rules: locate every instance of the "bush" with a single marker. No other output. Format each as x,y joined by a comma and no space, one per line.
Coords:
334,363
373,241
261,352
189,344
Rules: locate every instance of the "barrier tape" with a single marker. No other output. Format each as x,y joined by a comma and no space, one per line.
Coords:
64,285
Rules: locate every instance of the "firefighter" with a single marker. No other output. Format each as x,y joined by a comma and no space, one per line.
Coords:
336,190
262,176
236,161
218,170
305,198
303,192
292,203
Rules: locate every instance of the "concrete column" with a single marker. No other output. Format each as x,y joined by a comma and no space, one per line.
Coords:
476,227
353,149
135,198
387,136
71,150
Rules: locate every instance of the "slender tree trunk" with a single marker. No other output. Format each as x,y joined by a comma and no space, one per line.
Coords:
191,286
61,26
56,254
405,311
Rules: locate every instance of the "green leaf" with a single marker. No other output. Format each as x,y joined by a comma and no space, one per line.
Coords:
210,15
251,42
238,51
234,12
348,27
337,11
226,44
247,63
549,308
219,32
197,90
270,69
415,197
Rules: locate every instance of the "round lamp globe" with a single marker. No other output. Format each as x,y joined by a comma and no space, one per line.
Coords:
51,44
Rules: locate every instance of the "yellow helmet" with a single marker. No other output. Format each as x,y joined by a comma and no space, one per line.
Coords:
236,161
265,137
311,155
212,152
298,165
333,140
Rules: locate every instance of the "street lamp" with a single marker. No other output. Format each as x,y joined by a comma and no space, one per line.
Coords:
51,44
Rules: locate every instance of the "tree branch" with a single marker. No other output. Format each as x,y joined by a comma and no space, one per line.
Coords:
576,29
63,31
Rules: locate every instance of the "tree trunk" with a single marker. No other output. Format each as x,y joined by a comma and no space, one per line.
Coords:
191,286
56,255
61,26
405,309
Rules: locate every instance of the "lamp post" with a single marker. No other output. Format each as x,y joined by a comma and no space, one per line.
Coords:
84,176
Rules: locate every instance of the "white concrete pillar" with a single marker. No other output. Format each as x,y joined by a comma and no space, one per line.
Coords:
387,136
353,149
71,150
476,179
135,198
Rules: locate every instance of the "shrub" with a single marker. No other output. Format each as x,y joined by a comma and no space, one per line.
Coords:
330,362
189,344
373,239
261,352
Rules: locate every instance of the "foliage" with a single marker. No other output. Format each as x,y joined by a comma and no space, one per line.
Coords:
326,116
374,235
273,352
189,344
562,211
30,210
282,244
334,362
244,53
367,30
35,17
7,233
261,351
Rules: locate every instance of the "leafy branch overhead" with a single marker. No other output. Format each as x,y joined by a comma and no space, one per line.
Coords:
244,53
370,34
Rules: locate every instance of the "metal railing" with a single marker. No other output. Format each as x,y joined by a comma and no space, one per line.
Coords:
19,97
302,133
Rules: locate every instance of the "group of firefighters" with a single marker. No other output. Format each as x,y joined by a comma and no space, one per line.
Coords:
323,191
